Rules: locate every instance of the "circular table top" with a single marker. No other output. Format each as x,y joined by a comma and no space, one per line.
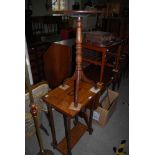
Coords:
76,12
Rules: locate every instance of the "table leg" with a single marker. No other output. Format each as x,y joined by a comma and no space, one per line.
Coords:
90,118
119,81
117,58
52,126
67,124
113,85
76,120
84,115
102,66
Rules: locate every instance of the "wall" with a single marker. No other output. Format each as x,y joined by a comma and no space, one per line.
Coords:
39,8
89,23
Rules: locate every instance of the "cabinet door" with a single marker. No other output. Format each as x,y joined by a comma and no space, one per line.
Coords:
36,61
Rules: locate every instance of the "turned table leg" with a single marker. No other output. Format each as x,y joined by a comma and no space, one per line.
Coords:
51,120
76,120
67,124
90,118
102,66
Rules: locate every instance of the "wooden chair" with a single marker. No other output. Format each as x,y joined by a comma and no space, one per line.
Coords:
109,63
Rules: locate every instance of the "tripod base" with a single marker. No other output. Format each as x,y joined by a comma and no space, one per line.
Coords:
46,152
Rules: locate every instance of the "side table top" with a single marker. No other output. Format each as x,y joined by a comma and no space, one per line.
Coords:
61,99
77,12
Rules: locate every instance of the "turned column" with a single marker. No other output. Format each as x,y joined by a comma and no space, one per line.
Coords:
79,75
78,70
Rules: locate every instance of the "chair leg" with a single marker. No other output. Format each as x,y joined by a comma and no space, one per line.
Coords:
119,82
113,85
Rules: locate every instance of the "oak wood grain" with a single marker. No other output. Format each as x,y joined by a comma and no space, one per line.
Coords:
61,99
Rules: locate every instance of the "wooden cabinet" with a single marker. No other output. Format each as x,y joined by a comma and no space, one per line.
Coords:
57,64
40,31
36,60
45,26
119,26
42,28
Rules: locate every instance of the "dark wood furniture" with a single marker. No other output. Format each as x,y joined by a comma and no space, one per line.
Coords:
61,100
57,64
70,43
41,31
45,28
36,53
107,67
119,26
104,50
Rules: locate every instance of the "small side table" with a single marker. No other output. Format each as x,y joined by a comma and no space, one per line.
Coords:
60,99
103,50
